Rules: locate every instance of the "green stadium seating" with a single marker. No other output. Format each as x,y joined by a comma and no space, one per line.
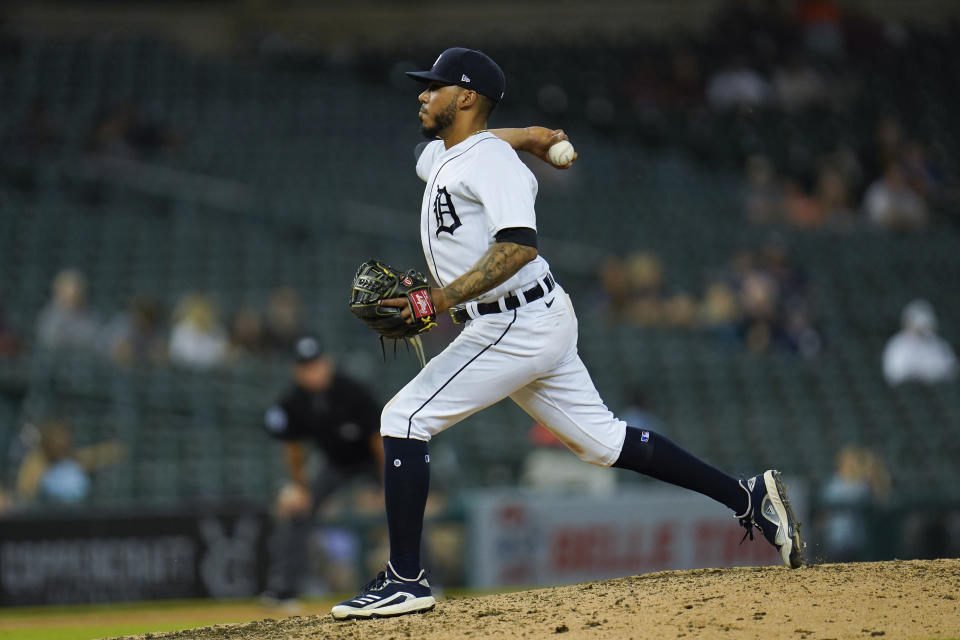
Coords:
318,195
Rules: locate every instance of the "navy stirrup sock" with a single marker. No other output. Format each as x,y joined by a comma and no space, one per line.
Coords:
406,483
651,454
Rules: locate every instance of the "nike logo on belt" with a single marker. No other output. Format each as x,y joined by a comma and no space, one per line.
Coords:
549,303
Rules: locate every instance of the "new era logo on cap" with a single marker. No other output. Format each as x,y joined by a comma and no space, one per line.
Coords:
467,68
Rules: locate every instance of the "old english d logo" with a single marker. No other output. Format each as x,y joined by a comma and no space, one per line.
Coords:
443,206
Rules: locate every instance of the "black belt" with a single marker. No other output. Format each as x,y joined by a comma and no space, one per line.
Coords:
460,314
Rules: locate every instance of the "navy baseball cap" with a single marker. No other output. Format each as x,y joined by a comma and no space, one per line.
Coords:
307,349
467,68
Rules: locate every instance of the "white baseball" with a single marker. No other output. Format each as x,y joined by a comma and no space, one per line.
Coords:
561,153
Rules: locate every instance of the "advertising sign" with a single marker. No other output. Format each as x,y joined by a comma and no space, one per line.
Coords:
84,558
525,539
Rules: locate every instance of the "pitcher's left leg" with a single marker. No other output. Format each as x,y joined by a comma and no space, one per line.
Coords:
567,403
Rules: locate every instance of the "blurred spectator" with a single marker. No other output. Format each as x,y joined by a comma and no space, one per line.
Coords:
646,279
65,324
765,302
246,333
916,352
759,297
774,258
795,311
198,339
284,320
737,86
762,196
136,336
890,203
719,309
53,471
634,292
773,300
833,198
800,209
859,483
680,310
615,289
769,200
798,85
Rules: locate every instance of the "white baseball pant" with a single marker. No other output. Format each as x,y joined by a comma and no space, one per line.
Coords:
528,354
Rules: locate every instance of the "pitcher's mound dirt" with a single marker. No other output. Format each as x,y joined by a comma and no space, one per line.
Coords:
899,599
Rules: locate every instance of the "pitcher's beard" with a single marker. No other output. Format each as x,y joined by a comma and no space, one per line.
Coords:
441,122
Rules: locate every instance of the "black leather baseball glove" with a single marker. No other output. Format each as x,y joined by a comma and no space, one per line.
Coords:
375,282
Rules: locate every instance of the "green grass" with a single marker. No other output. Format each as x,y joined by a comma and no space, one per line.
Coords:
90,622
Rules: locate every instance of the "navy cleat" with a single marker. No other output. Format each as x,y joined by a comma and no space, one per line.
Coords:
388,595
769,510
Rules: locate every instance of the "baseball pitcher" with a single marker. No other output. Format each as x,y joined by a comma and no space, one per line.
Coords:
478,227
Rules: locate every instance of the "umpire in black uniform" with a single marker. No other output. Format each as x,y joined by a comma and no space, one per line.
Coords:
342,419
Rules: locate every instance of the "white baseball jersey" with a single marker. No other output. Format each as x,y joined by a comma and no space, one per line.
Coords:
474,189
529,354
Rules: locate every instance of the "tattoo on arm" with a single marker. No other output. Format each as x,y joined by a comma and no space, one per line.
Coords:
502,260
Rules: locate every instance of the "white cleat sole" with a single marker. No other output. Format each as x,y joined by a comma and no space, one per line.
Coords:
791,544
417,605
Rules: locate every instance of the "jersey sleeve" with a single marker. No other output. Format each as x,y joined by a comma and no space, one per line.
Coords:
506,187
280,422
428,158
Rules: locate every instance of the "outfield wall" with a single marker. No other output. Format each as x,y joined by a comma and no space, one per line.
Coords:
489,539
